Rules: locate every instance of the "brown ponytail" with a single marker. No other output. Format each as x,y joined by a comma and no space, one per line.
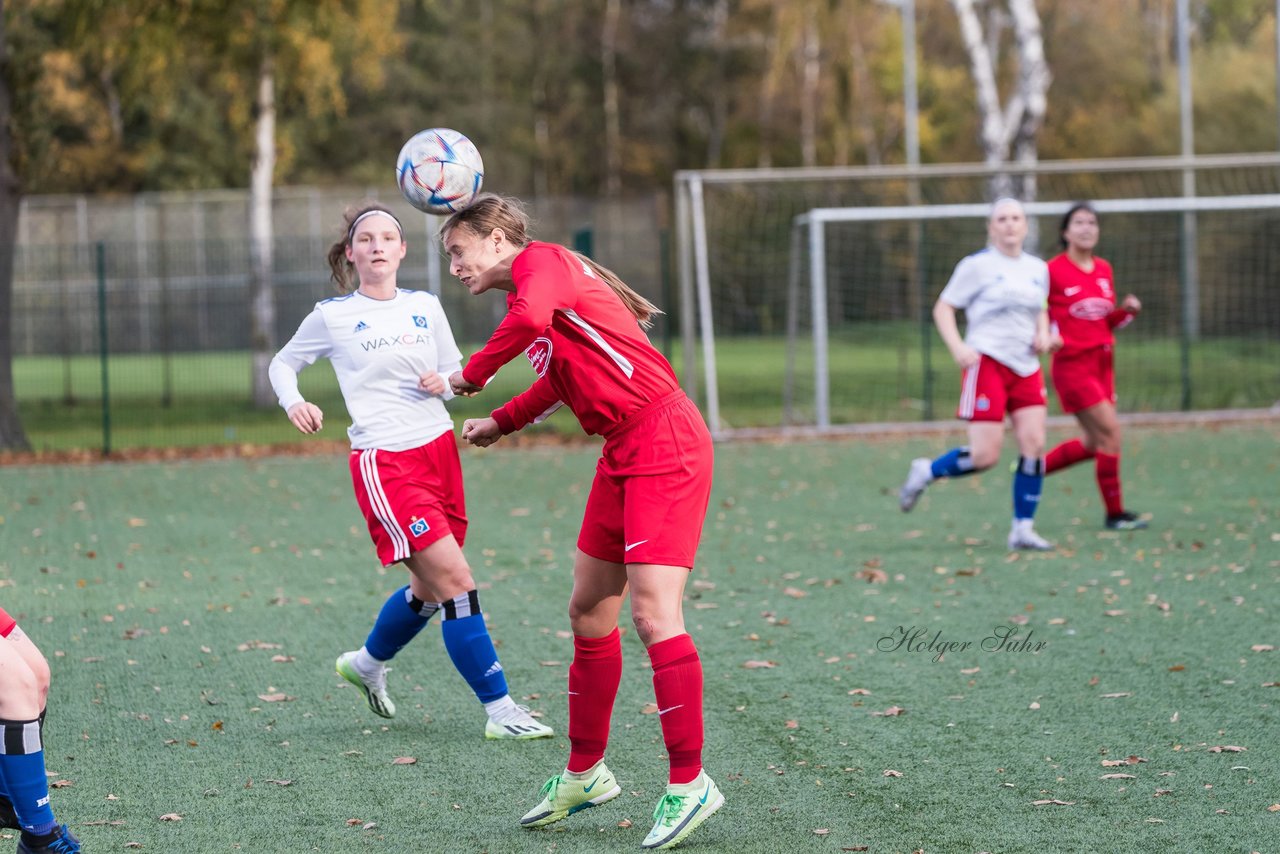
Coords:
643,310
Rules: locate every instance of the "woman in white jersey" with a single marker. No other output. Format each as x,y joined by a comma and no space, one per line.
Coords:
392,350
1002,291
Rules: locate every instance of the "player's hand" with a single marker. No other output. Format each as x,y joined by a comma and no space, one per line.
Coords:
461,386
481,432
1042,343
432,383
1131,304
965,356
307,417
1056,343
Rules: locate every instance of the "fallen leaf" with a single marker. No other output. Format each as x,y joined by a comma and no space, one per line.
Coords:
1117,777
1115,613
1118,694
369,825
276,698
859,691
969,671
889,772
352,822
1160,792
1227,748
1054,801
649,708
794,592
755,665
793,725
404,760
1274,808
171,816
821,831
1262,647
626,822
133,845
280,782
872,576
1034,706
549,663
137,523
891,712
1177,668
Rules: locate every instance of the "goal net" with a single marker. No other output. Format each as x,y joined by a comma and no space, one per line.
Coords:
802,310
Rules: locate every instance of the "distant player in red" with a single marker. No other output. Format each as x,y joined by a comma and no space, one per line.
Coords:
580,327
1082,306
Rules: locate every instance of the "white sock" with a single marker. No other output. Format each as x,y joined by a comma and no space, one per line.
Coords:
365,664
499,708
1022,526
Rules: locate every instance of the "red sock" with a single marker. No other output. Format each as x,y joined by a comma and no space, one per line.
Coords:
1107,470
677,685
594,675
1067,454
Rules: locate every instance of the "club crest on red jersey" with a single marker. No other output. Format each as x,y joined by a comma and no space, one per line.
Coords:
1104,285
539,355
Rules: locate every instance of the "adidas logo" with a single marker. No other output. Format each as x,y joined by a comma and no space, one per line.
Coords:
361,327
496,668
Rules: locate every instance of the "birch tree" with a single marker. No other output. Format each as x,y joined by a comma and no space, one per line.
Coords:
12,436
1009,127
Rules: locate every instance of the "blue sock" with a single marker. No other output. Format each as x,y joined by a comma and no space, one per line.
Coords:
467,639
1028,479
403,615
956,462
22,775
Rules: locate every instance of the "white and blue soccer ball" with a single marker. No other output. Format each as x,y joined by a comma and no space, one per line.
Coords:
439,171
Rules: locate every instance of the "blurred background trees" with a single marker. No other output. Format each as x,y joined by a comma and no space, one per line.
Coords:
591,96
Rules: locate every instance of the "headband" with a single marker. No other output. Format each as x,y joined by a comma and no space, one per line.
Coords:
351,232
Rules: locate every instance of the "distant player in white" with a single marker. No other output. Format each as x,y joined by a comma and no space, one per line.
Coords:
392,350
1002,291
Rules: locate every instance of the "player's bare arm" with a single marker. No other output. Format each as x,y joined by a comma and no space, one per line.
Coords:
944,317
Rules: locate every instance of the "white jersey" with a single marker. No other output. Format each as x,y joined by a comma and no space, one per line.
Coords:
1002,297
379,349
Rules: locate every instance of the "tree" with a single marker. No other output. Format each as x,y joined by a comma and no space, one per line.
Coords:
12,436
1015,124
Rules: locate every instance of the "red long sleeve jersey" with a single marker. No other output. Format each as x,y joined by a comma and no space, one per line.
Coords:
587,348
1083,305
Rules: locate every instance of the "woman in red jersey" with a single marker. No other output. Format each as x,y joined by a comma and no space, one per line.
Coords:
1082,307
24,787
580,327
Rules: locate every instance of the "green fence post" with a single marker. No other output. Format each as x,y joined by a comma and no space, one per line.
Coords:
583,240
102,348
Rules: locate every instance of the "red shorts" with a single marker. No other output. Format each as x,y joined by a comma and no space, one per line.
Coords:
989,390
652,485
410,498
6,623
1084,378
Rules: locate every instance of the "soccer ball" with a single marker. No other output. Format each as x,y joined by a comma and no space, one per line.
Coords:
439,171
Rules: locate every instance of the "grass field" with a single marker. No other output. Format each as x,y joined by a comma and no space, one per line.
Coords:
876,375
192,611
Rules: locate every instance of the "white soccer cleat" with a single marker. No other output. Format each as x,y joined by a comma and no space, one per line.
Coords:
516,723
1024,538
918,477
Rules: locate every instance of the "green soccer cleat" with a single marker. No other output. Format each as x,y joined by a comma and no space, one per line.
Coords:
565,794
681,810
374,687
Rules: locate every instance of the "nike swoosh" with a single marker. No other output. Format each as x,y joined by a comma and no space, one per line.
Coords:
633,545
587,789
662,712
707,791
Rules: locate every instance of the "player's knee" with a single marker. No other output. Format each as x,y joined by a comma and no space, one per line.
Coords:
984,458
23,692
652,627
